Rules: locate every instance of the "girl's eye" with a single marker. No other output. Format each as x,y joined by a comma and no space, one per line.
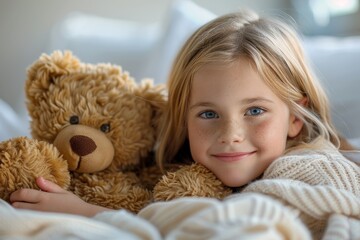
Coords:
209,115
254,111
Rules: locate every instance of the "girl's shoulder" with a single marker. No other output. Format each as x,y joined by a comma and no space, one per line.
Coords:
321,164
322,150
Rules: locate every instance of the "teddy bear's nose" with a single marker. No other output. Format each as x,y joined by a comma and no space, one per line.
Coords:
82,145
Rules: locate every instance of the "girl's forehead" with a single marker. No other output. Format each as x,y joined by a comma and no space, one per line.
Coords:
240,65
239,79
221,62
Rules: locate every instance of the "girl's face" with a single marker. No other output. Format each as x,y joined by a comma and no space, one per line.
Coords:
236,125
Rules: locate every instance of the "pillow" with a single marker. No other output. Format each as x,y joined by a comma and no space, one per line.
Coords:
335,60
184,18
353,155
11,125
97,39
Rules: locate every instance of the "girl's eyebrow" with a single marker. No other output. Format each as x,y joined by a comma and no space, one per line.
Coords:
245,101
256,99
201,104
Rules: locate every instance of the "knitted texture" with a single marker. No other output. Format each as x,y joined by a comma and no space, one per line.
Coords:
319,183
242,216
341,227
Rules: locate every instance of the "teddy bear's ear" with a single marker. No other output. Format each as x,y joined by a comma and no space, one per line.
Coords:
42,72
156,97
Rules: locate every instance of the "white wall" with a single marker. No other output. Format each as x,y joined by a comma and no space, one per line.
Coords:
25,29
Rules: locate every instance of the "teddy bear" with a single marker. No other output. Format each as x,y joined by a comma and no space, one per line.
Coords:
93,131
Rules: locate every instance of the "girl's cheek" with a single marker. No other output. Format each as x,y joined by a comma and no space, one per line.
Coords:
263,130
266,132
199,129
260,126
204,131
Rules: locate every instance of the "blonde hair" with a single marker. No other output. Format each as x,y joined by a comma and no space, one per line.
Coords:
274,49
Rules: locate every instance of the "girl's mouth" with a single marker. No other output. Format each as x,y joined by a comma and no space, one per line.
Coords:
233,156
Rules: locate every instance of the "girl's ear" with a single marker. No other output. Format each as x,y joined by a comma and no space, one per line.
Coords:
296,124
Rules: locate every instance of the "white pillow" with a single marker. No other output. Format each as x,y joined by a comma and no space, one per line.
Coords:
353,155
96,39
11,125
355,142
336,62
184,18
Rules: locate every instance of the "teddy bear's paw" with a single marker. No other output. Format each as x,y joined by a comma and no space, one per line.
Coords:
112,190
192,180
22,160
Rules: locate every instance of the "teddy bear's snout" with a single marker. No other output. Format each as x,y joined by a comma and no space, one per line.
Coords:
82,145
85,148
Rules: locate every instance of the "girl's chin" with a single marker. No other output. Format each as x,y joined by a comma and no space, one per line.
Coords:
234,182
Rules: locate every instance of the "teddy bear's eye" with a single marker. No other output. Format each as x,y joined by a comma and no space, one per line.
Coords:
74,120
105,127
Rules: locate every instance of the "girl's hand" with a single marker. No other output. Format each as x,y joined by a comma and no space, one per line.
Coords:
52,198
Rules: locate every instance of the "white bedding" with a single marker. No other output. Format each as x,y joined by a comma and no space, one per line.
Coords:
25,224
240,216
196,218
270,208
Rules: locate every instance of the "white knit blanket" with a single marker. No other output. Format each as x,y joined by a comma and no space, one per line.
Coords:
243,216
25,224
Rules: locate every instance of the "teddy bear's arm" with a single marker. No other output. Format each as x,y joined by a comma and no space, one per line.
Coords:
114,190
190,180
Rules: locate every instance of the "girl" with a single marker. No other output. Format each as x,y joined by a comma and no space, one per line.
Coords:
241,95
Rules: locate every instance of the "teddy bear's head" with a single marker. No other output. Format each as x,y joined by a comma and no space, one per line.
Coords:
97,116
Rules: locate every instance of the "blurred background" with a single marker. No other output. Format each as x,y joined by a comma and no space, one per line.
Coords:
130,30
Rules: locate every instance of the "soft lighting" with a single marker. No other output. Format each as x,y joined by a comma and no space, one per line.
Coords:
323,10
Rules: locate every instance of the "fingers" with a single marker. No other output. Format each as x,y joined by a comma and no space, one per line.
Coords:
26,195
25,205
25,198
48,186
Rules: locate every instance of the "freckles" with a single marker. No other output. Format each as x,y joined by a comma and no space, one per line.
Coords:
265,131
270,131
204,133
262,128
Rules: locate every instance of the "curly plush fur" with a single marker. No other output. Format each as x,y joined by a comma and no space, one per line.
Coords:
190,180
101,121
19,155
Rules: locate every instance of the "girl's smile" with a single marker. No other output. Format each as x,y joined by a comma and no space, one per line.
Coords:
232,156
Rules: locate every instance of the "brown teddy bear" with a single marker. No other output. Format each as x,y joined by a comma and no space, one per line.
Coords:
93,132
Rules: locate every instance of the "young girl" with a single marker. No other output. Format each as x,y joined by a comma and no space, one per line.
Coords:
241,95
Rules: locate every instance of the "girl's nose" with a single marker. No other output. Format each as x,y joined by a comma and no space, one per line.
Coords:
231,132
